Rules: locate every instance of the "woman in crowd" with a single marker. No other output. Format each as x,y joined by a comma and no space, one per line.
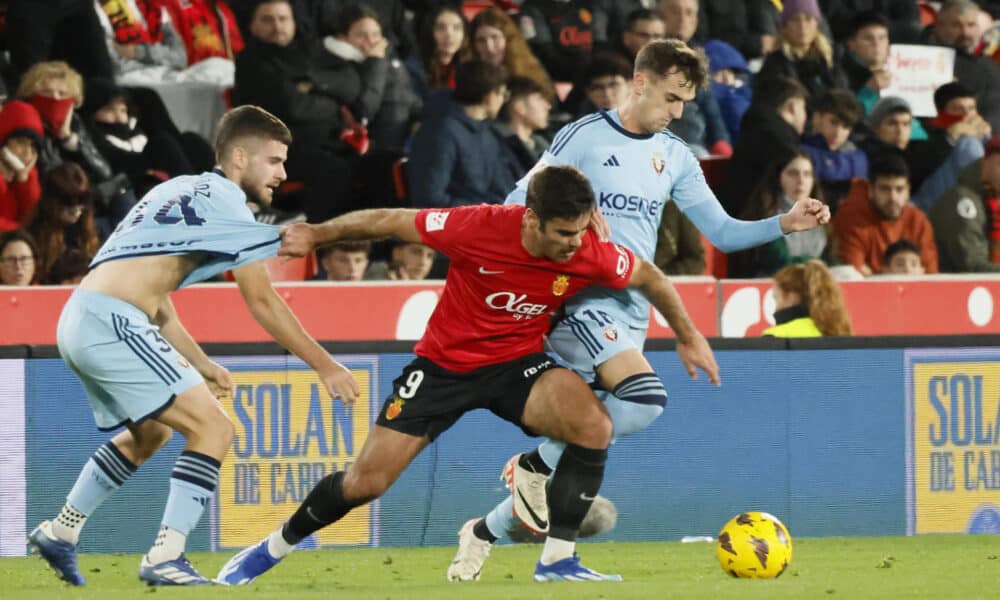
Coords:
64,217
18,255
443,43
808,303
496,39
788,179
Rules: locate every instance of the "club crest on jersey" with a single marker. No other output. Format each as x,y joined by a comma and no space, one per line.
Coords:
658,163
394,409
611,333
560,285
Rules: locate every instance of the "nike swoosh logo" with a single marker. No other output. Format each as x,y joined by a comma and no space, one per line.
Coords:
585,497
485,272
534,517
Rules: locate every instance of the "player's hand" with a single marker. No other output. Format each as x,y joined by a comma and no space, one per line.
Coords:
697,354
218,378
600,225
297,240
804,215
340,383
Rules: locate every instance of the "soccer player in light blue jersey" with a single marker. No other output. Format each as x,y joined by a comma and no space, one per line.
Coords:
634,166
141,369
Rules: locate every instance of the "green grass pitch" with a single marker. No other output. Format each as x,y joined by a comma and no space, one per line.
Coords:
940,567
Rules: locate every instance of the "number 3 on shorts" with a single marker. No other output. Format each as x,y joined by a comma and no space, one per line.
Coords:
409,387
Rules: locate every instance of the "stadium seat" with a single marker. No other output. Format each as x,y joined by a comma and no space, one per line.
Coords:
716,261
714,169
399,181
295,269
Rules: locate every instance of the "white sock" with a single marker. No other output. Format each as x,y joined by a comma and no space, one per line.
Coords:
169,545
556,550
68,524
277,546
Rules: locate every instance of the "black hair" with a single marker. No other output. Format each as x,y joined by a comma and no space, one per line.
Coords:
559,192
475,78
900,245
888,166
841,104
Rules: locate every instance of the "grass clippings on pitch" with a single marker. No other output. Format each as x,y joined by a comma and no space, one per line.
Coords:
938,567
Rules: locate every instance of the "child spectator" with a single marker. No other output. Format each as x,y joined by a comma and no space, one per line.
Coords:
21,134
836,158
602,85
64,217
730,83
344,261
808,303
408,261
18,255
902,257
525,113
70,268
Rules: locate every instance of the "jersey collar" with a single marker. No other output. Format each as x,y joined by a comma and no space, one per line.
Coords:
611,121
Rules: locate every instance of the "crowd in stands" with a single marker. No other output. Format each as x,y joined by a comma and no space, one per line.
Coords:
440,103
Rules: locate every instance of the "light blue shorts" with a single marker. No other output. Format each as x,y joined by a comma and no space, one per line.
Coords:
588,337
129,371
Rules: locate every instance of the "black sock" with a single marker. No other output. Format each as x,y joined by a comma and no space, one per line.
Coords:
325,504
534,463
481,531
573,488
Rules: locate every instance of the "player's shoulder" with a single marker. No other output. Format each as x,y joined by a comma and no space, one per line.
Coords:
576,131
471,216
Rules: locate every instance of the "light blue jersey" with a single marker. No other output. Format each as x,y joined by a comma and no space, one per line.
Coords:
633,176
194,214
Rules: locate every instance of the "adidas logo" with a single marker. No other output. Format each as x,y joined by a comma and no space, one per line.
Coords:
612,162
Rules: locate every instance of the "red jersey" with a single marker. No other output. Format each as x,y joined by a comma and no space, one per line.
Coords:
497,297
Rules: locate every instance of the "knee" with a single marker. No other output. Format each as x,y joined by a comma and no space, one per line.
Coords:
362,488
216,425
594,430
151,442
634,418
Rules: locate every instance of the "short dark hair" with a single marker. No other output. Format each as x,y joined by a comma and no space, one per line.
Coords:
662,57
841,104
864,19
520,88
559,192
249,121
476,78
640,14
948,92
773,92
605,64
338,21
889,165
71,264
344,246
899,246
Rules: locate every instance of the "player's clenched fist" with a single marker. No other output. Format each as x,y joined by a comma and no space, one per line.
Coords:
297,239
804,215
340,383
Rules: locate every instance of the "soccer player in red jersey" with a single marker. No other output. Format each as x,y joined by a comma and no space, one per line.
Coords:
511,266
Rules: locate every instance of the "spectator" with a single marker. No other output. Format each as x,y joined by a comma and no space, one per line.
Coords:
679,250
808,303
142,42
454,159
641,27
836,158
56,91
344,261
879,213
525,113
954,140
744,24
701,124
610,19
958,27
902,257
397,25
496,39
207,27
775,120
408,261
443,45
67,30
357,69
276,71
64,217
561,34
966,218
70,268
603,84
788,179
21,134
901,17
18,254
730,84
805,53
864,63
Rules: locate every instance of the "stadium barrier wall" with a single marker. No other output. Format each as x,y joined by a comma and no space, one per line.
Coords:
848,437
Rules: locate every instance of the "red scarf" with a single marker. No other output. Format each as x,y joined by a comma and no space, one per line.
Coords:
131,28
208,29
944,120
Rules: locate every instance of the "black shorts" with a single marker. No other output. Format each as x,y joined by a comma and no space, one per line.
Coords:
427,399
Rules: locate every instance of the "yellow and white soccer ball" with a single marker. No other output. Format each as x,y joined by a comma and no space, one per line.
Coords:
754,544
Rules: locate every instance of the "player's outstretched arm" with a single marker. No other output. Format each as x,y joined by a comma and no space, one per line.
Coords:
692,347
270,310
219,380
299,239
